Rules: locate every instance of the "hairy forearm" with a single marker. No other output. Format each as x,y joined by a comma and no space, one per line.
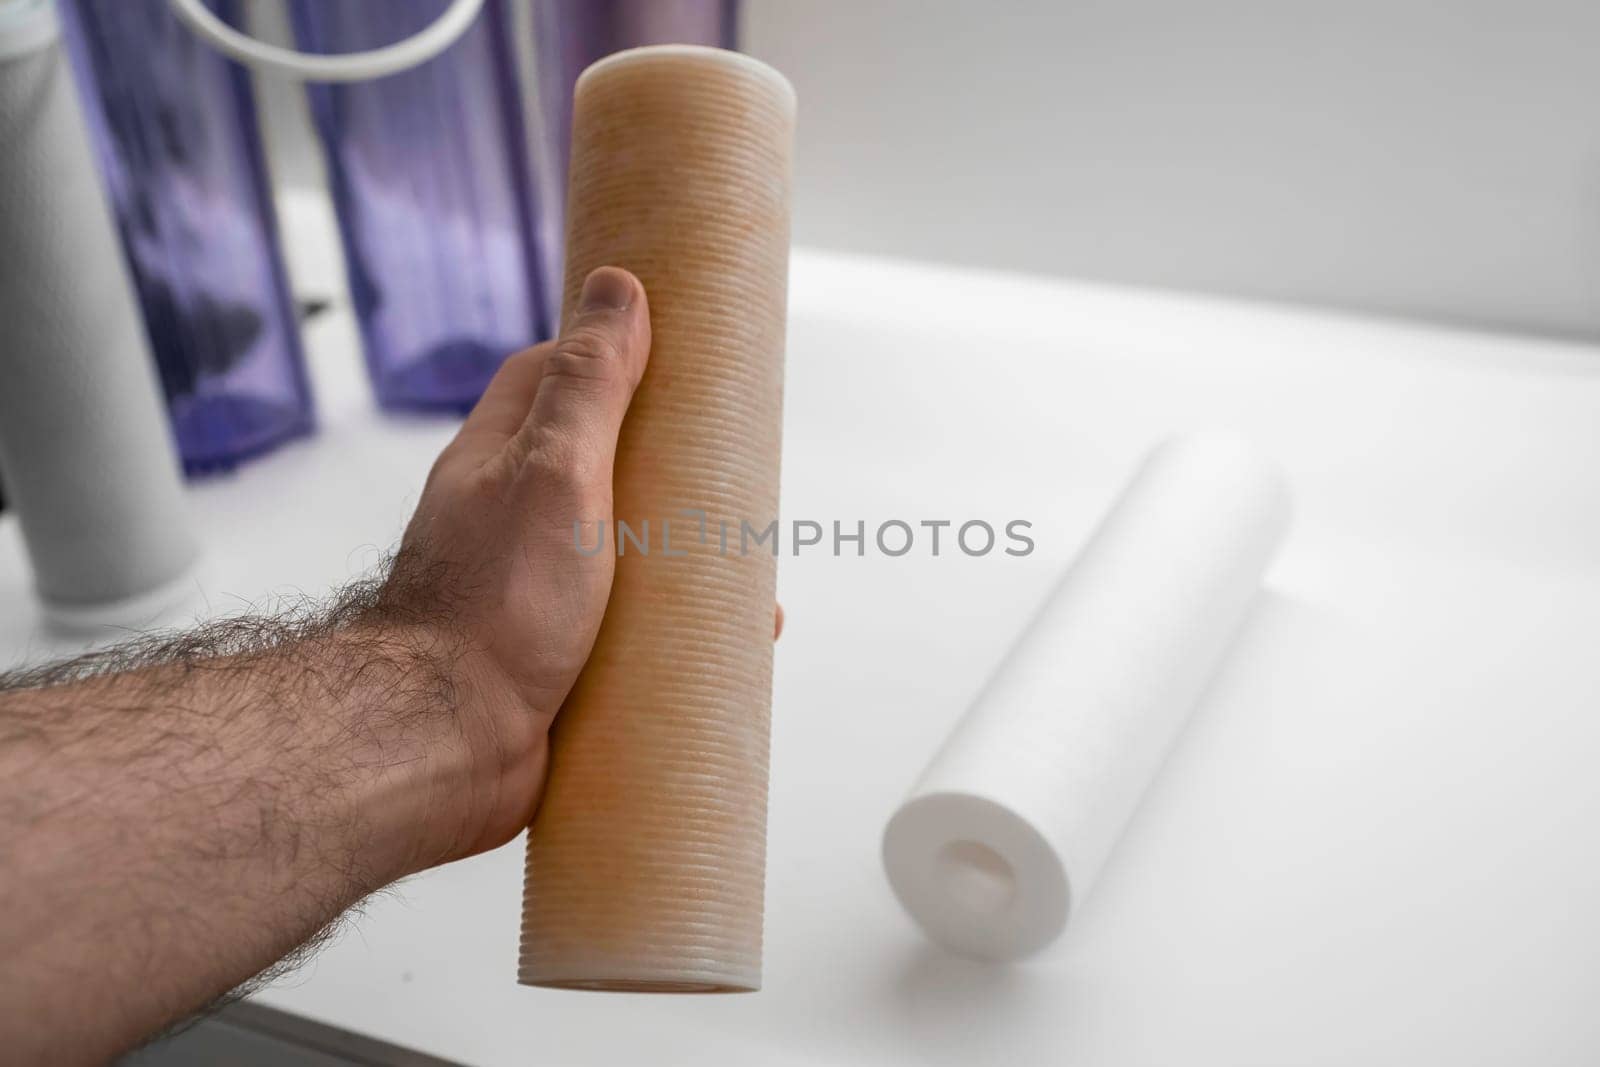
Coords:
169,830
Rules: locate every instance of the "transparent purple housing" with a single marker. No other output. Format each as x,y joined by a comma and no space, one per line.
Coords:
174,129
449,179
435,199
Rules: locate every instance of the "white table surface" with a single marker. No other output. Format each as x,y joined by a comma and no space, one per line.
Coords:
1376,843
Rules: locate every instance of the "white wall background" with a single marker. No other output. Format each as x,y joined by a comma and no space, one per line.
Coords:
1430,158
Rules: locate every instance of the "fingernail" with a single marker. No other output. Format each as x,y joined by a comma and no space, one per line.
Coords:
606,289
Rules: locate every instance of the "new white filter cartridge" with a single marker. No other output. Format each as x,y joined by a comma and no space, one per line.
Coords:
1011,823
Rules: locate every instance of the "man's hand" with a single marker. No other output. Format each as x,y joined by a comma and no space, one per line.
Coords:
491,563
179,813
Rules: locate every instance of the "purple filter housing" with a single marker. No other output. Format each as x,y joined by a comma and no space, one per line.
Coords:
174,128
435,199
450,178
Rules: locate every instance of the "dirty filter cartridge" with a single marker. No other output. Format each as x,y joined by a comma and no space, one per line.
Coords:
646,862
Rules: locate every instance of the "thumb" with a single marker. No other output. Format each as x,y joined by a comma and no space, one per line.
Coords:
568,442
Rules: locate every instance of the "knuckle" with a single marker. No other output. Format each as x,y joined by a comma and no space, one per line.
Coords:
525,363
557,463
588,353
458,477
487,485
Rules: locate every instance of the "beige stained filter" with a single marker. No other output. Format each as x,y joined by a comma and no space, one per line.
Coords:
647,860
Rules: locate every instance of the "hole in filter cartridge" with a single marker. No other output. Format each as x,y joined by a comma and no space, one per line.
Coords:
976,877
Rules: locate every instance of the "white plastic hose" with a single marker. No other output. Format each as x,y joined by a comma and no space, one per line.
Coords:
349,67
25,26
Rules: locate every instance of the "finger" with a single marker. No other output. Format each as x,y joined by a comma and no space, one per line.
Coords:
777,623
497,415
504,406
569,438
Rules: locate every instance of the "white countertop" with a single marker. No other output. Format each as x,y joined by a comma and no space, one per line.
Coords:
1378,842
